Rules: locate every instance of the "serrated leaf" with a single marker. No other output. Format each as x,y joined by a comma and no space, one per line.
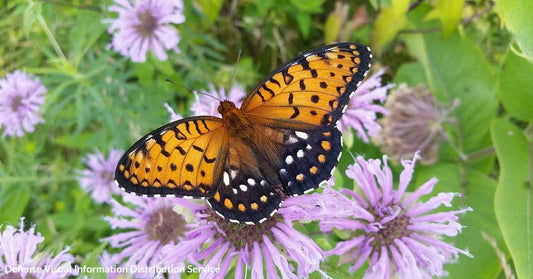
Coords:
513,194
515,84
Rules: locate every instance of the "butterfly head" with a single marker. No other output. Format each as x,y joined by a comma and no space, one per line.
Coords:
225,107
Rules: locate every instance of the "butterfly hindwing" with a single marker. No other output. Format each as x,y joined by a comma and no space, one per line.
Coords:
244,197
309,159
183,158
311,90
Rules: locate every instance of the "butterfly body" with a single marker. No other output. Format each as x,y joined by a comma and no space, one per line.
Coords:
282,141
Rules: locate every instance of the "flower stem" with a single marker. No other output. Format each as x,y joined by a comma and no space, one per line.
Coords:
51,37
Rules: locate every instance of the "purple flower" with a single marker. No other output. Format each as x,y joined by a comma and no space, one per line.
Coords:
414,123
145,25
21,97
361,112
267,248
153,223
391,230
18,249
98,178
206,105
173,115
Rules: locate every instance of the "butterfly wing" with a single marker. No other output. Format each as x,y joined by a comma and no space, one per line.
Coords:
311,90
246,197
183,158
308,159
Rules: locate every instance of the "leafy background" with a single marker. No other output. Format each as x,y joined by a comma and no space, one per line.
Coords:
479,52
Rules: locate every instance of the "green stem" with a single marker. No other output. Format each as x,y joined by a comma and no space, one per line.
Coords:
51,37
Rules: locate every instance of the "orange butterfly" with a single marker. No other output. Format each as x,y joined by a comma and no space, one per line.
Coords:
283,140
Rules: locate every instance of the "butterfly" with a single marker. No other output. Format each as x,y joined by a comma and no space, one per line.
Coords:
282,141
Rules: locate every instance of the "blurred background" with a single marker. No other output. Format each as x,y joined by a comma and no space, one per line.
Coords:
473,56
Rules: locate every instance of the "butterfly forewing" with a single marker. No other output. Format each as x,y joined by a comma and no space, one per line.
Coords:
310,90
183,158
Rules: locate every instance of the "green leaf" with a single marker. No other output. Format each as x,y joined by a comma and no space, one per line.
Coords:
30,15
304,23
145,72
449,12
91,260
13,203
84,34
211,9
516,15
308,6
479,195
411,74
456,70
388,23
332,28
513,194
515,87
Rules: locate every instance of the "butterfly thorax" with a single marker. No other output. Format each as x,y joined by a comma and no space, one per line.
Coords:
235,121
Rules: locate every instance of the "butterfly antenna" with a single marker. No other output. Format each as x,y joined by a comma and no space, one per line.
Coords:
235,68
194,91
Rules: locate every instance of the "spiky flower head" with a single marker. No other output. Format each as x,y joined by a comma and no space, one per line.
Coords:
391,230
98,177
414,123
21,258
260,251
21,98
144,25
364,107
150,225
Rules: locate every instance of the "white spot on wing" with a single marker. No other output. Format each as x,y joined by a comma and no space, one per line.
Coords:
263,183
273,212
292,140
243,187
249,223
116,183
300,153
302,135
235,191
251,181
234,221
308,147
157,195
262,220
233,174
289,160
226,178
283,171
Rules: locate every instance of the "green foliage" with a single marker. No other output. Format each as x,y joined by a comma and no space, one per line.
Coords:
472,55
513,193
516,16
